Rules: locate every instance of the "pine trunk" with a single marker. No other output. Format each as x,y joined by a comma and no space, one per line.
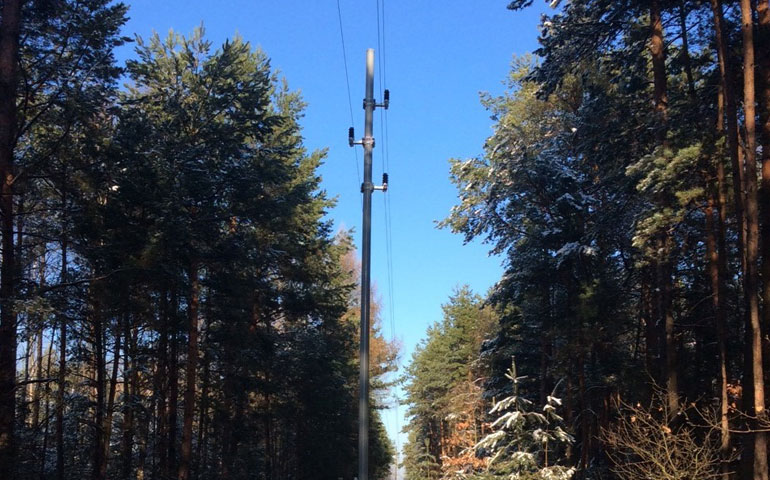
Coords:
763,43
107,429
143,435
763,82
686,61
751,277
43,457
192,364
665,266
62,364
647,314
29,352
546,350
9,60
200,453
671,363
719,303
161,380
129,394
173,389
97,331
584,421
38,387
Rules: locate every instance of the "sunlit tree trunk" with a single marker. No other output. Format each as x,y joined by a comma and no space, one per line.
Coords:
751,277
665,266
719,302
762,42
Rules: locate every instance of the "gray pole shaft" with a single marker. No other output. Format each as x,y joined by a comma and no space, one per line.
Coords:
366,254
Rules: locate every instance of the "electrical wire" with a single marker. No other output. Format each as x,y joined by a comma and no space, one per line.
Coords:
385,156
381,45
347,83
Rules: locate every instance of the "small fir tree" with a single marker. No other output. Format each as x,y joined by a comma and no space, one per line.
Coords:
525,444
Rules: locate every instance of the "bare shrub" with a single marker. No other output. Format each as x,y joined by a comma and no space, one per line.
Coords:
642,444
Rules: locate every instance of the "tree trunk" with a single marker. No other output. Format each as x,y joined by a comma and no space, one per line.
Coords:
143,434
44,447
671,366
751,277
129,394
665,266
9,60
727,76
28,390
62,364
717,302
107,429
226,464
763,82
657,50
173,384
38,389
546,349
584,422
720,302
271,459
686,62
730,125
763,42
192,363
97,330
162,379
647,313
200,453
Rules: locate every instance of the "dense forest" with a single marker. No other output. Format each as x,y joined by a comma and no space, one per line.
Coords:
173,301
176,303
627,188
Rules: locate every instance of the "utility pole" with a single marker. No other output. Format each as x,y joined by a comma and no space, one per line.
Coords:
366,253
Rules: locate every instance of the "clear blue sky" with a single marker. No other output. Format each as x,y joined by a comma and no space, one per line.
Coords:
438,56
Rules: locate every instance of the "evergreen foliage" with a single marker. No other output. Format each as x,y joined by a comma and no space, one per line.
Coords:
523,438
185,309
621,187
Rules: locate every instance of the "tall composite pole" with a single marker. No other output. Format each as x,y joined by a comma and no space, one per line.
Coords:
366,253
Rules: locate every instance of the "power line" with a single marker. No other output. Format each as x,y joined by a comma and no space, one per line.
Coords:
385,164
381,44
347,82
